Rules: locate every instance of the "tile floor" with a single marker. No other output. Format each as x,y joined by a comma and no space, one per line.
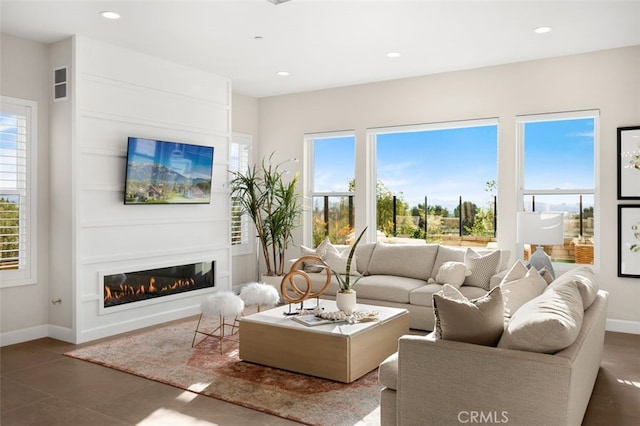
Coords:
40,386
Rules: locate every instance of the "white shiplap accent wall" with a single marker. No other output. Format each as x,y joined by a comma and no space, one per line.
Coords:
120,93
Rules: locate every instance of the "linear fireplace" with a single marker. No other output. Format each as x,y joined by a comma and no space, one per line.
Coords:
130,287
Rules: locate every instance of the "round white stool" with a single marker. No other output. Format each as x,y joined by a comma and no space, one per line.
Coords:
259,294
225,305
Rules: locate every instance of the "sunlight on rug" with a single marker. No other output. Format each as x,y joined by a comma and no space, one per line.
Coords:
165,355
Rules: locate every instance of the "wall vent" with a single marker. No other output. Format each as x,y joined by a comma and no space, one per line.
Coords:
60,85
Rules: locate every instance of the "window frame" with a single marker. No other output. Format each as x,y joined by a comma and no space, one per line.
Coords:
28,274
372,154
247,246
308,182
521,121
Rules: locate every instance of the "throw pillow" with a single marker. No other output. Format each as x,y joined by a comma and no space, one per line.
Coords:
478,321
519,291
452,273
310,267
482,268
547,275
338,262
547,323
446,254
518,270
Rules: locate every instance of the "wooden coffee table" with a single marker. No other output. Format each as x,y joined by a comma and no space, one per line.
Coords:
341,352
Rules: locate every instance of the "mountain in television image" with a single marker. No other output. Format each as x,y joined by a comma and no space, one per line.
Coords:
168,173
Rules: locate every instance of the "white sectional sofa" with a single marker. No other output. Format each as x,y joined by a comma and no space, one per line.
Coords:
406,275
541,372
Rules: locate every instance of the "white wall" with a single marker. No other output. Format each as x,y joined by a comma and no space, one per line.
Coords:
120,93
607,80
245,120
25,74
84,228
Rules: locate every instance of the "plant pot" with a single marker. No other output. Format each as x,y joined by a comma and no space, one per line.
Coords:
346,301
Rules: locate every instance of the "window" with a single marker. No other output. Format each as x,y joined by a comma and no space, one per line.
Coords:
330,184
239,160
558,174
17,192
436,182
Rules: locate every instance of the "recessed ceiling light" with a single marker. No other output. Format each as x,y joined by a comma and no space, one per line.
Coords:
393,54
542,30
109,14
283,73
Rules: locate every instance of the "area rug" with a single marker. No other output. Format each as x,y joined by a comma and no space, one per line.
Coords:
165,355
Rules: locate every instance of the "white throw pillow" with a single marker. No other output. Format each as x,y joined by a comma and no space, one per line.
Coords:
478,321
482,268
338,262
310,266
452,273
519,291
518,270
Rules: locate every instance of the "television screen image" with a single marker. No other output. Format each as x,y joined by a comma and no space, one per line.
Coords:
163,172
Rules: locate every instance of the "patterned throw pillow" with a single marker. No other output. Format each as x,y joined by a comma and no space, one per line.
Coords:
478,321
482,268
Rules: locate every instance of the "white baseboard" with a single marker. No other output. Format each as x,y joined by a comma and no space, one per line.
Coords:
66,334
61,333
23,335
623,326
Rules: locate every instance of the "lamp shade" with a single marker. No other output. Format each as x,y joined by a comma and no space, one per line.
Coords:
542,229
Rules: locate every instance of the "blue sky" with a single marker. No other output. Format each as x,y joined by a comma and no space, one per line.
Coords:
446,164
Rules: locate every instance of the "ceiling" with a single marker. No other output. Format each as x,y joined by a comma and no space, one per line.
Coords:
332,43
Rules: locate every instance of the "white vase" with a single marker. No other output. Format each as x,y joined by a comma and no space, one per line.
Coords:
346,302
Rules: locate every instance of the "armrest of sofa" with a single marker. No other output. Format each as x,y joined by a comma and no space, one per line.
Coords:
447,382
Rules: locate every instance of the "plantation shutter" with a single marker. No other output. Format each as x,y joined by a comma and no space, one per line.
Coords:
240,223
14,226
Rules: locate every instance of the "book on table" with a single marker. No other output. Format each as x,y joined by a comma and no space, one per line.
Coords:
312,320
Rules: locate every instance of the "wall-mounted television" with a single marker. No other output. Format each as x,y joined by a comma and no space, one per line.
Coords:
163,172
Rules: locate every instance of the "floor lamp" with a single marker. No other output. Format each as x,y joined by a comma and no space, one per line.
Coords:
541,229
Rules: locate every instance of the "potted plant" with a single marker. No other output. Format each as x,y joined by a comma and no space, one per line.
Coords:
273,206
346,295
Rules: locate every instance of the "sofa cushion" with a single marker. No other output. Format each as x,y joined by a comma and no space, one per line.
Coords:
387,287
482,268
518,291
585,281
363,254
388,372
447,254
478,321
412,261
338,262
547,323
423,295
452,273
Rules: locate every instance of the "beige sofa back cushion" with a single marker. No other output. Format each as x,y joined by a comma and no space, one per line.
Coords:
363,255
585,281
412,261
547,323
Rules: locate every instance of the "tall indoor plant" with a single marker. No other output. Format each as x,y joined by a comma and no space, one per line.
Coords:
273,206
